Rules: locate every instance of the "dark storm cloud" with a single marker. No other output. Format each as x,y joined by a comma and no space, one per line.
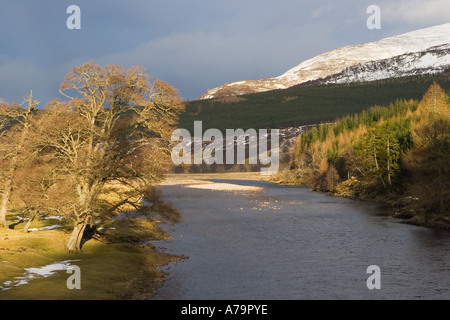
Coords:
195,45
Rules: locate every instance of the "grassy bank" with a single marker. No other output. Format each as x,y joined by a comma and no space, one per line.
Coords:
407,209
118,264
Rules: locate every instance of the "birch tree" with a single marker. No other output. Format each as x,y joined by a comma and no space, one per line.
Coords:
15,123
109,136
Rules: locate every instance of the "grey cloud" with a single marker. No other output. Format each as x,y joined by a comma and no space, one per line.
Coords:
195,45
416,11
209,59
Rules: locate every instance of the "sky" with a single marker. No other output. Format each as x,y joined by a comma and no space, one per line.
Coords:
195,45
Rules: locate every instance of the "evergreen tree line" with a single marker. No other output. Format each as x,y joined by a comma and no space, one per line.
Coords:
305,105
399,153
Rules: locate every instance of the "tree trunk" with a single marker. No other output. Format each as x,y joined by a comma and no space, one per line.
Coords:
5,202
29,222
12,169
441,188
378,170
74,243
389,163
87,191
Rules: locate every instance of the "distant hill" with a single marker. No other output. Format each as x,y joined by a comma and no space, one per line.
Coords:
420,52
305,105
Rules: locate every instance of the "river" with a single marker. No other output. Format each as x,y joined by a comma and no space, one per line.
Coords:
288,243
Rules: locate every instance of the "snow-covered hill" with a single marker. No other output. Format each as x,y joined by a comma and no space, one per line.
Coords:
430,61
423,51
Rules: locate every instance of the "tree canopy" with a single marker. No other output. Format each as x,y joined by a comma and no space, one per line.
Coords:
401,150
97,152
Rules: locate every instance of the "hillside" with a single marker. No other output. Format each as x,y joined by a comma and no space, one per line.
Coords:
397,154
419,52
299,106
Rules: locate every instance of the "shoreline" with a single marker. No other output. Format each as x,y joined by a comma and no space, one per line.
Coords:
188,178
399,211
215,224
119,264
126,245
202,180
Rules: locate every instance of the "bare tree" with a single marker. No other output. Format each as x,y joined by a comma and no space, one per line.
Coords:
14,127
109,136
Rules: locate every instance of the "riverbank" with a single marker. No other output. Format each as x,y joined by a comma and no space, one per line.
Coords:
188,178
118,264
406,209
282,242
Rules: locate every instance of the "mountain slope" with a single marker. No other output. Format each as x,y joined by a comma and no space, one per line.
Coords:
431,61
423,51
305,105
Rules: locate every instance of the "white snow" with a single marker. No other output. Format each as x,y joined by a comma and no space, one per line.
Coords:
52,218
236,83
34,273
414,41
110,228
336,61
429,62
46,228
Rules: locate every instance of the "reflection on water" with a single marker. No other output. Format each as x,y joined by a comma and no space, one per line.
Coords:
289,243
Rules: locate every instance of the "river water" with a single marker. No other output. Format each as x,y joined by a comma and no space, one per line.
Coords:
288,243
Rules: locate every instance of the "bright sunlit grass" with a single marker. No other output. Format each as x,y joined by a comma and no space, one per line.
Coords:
119,265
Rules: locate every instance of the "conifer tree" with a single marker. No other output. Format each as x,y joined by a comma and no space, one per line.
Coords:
428,160
380,151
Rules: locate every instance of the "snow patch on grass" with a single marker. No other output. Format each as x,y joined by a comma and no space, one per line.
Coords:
35,273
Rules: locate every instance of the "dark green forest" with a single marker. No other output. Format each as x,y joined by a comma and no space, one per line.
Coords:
398,154
304,105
